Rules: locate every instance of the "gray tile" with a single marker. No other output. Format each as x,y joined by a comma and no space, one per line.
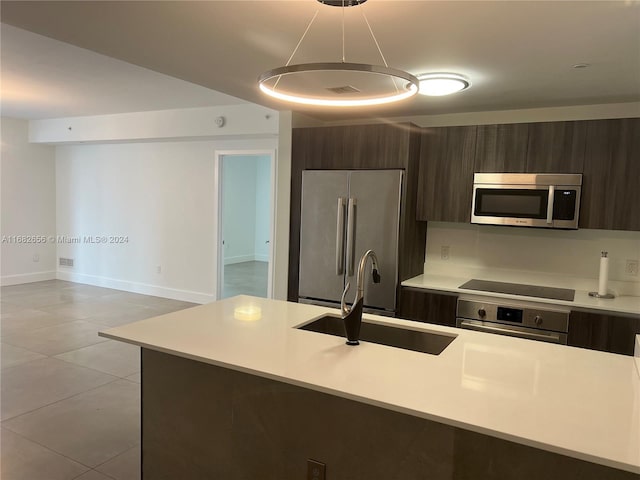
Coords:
23,459
91,428
57,338
93,475
8,308
136,377
116,319
28,319
35,384
125,466
116,358
44,298
90,290
15,355
246,278
77,311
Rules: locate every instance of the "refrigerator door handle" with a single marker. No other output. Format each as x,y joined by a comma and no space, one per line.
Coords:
351,219
340,237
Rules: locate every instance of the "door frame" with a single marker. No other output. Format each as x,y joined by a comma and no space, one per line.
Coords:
219,250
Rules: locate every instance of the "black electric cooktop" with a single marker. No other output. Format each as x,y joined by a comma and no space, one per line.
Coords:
566,294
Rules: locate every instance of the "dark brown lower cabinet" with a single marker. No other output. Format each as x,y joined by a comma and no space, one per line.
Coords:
423,306
202,421
607,333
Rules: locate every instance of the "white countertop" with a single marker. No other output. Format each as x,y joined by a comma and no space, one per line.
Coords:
621,304
576,402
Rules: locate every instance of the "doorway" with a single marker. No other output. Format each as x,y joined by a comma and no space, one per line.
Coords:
245,223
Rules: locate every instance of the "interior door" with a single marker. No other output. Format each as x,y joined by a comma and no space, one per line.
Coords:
375,195
323,211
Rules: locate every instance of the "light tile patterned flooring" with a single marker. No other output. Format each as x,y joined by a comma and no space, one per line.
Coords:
246,278
70,401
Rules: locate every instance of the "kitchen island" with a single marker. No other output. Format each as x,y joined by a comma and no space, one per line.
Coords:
233,390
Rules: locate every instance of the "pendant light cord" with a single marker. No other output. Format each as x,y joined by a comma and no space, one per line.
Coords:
375,40
298,46
343,56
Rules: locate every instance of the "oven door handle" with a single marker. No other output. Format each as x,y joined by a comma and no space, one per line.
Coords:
546,337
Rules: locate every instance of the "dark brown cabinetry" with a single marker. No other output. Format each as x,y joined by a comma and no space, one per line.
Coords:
607,333
556,147
423,306
610,194
501,148
377,146
606,152
446,174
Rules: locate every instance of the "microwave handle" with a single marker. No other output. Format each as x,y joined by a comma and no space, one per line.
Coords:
552,191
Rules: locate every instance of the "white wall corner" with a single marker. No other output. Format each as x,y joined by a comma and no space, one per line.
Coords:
282,205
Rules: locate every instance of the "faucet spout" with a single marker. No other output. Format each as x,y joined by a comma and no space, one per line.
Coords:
352,316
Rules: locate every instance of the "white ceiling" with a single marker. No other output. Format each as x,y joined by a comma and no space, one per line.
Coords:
45,78
518,54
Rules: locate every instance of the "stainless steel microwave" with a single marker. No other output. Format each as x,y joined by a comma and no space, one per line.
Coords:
526,199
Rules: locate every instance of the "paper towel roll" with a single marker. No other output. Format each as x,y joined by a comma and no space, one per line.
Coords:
603,279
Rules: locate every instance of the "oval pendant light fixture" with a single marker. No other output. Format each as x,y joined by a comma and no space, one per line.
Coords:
338,84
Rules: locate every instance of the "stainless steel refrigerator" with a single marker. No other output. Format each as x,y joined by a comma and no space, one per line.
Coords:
344,213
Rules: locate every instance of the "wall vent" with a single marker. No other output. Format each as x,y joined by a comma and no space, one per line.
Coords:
66,262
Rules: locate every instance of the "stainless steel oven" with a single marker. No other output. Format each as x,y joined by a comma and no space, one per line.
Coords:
527,199
513,319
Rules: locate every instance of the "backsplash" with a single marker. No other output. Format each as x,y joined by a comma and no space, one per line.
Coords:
573,254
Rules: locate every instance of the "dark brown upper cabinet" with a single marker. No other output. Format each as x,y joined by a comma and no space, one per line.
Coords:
556,147
318,147
446,174
502,148
610,193
378,146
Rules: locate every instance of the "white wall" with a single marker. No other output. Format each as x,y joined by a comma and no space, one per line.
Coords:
186,123
28,205
573,256
246,208
161,196
263,208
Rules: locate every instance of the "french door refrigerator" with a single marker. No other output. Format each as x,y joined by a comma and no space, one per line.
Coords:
344,213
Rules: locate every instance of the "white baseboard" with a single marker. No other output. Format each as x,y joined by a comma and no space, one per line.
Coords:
239,259
7,280
261,258
136,287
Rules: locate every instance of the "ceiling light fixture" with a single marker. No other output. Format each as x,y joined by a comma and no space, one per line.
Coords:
439,84
338,84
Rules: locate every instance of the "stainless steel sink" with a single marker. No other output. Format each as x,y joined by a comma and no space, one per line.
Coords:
418,341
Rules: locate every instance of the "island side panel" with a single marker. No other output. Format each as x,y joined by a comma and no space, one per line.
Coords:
204,421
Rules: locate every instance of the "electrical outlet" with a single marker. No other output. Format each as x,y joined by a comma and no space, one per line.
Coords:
631,268
444,252
36,257
159,269
316,470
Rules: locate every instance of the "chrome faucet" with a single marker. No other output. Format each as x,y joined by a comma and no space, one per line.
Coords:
352,316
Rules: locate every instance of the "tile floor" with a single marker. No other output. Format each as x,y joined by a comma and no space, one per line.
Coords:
246,278
70,401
